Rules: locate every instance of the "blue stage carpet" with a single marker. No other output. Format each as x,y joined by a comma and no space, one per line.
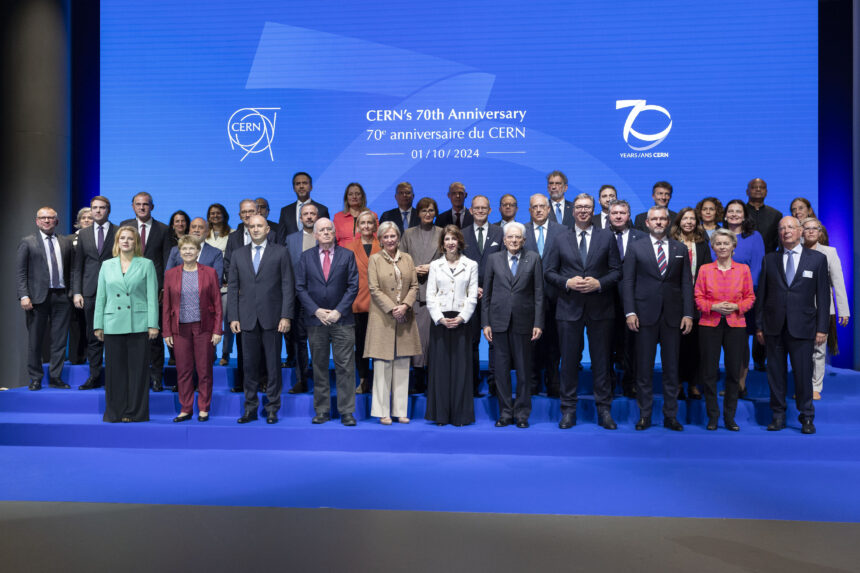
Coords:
54,447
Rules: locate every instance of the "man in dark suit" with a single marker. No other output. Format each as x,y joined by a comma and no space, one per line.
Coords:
657,293
327,283
585,267
404,216
541,232
289,220
512,315
95,245
507,209
793,315
457,214
209,255
297,338
482,240
623,339
260,295
236,240
155,243
605,196
263,211
43,263
560,209
662,194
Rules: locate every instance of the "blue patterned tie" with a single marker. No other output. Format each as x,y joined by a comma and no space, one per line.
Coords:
514,265
558,216
540,241
583,247
55,268
789,268
405,215
257,258
661,258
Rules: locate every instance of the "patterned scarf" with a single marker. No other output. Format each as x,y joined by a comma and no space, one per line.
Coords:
398,276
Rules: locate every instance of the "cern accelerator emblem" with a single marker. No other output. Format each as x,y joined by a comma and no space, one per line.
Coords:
632,137
252,130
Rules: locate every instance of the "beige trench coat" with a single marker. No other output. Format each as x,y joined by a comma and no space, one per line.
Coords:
383,331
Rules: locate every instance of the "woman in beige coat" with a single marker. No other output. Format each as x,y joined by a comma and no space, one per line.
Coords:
392,333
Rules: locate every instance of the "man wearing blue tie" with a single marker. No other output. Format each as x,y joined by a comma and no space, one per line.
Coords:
404,216
560,210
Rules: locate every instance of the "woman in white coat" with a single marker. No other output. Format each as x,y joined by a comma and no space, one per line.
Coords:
452,294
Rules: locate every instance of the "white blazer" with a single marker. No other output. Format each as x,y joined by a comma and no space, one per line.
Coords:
455,290
837,281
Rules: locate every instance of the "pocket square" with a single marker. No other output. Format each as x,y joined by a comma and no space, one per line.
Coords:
679,256
807,274
494,243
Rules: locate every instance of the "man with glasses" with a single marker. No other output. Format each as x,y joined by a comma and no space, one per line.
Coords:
507,209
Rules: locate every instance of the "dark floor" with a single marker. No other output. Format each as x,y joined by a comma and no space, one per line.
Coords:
71,537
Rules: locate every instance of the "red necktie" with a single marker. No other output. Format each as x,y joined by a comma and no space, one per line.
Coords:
326,263
142,238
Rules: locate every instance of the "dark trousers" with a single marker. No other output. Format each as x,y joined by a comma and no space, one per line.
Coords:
77,336
688,363
732,341
799,351
156,355
362,364
546,352
127,377
513,350
53,313
477,333
95,347
261,347
341,339
194,351
669,338
296,341
623,349
570,335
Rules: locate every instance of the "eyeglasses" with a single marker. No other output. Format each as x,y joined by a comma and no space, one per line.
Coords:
508,204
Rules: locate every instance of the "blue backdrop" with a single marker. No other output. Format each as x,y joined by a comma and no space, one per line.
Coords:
324,87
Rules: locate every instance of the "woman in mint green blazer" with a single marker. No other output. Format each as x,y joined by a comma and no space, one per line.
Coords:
126,319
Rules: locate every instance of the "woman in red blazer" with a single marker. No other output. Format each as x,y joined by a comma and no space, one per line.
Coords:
363,246
191,325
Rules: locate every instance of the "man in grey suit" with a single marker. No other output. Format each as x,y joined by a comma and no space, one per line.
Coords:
209,255
260,295
512,316
95,246
327,283
42,265
289,220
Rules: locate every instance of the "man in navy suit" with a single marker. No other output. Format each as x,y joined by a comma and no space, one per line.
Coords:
457,214
95,246
793,314
585,267
43,263
560,209
327,283
209,255
289,220
482,240
155,243
541,232
623,339
657,293
661,193
260,295
404,215
512,315
605,196
297,338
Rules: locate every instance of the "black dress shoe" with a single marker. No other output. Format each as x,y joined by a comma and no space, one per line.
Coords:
348,420
643,423
321,418
742,394
299,388
35,385
806,426
284,364
248,416
605,420
182,418
157,386
522,423
236,389
712,424
776,424
59,384
272,419
681,394
731,425
90,384
568,420
202,418
174,388
673,424
502,422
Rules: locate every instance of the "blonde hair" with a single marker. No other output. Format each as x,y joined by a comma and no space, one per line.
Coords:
138,252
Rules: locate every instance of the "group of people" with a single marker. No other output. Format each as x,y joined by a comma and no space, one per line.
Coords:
415,289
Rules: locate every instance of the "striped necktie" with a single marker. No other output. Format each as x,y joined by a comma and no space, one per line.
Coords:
661,258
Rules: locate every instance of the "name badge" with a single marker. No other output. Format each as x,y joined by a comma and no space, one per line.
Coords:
807,274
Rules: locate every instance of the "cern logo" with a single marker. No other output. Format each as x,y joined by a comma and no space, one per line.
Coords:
252,130
639,106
